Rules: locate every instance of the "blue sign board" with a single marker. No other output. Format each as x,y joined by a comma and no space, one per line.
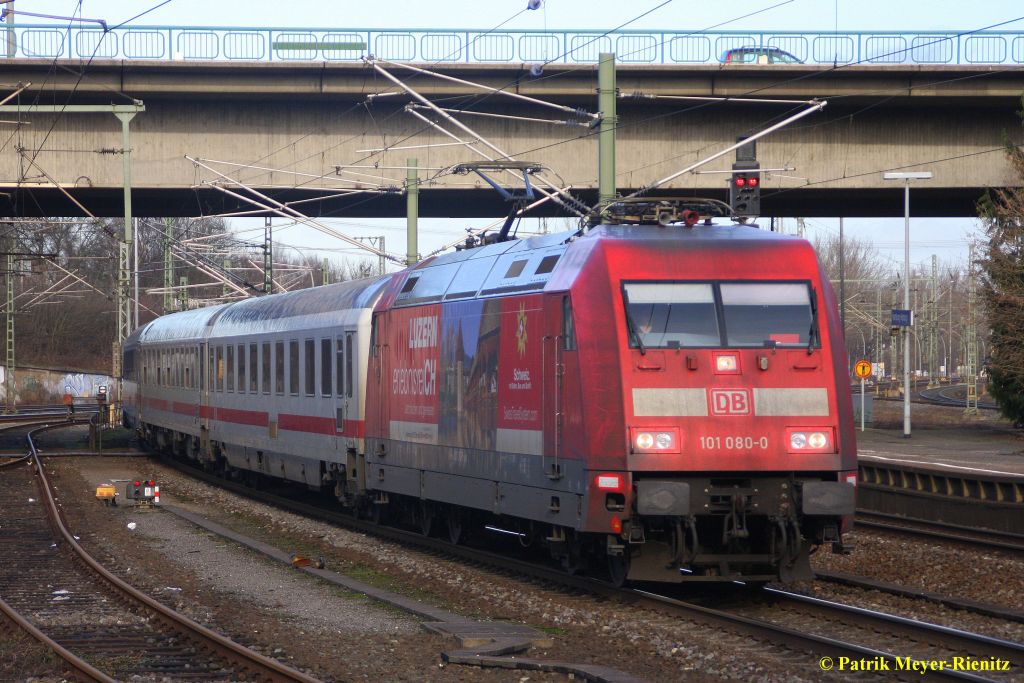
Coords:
902,318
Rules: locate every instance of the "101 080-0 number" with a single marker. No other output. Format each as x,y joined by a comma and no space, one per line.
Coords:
734,442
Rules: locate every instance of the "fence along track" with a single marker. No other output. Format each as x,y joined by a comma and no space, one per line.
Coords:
89,612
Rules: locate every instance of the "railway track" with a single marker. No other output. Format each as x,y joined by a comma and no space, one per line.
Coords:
984,538
104,629
942,396
812,627
865,583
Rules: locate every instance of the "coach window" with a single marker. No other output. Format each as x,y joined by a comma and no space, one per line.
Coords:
339,366
254,366
187,356
309,361
220,368
279,368
231,367
568,326
348,364
266,364
325,367
241,368
293,367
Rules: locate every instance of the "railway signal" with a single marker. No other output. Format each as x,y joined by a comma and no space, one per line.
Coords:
142,491
745,189
745,182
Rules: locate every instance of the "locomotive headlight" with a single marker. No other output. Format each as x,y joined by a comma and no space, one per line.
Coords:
655,440
816,440
727,363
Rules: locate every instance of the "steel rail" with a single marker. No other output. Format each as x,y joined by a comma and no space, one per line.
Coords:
954,639
819,646
985,538
984,609
264,667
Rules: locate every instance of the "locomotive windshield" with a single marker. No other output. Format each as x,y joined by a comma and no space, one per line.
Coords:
706,314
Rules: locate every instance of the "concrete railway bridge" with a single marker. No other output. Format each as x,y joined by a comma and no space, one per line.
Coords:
301,130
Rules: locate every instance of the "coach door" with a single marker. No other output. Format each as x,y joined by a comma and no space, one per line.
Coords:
206,374
345,385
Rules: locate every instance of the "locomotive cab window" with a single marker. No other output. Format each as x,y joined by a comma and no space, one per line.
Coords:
767,314
722,314
671,314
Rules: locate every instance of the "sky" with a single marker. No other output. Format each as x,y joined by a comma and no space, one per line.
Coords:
947,238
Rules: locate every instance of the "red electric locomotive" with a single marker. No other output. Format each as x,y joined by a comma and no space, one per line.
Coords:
672,399
667,402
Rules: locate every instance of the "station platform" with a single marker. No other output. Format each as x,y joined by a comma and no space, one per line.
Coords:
970,475
965,450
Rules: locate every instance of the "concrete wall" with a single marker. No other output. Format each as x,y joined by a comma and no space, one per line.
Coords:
38,385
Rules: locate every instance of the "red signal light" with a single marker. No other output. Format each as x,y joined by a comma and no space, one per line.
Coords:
152,483
740,181
753,182
137,483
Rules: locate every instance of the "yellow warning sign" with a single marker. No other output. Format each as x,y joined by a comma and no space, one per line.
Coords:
862,369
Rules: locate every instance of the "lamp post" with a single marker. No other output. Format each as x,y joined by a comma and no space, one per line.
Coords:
906,177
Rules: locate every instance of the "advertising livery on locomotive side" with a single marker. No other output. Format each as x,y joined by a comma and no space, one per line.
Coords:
667,403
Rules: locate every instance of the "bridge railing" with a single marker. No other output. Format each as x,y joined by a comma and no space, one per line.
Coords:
60,41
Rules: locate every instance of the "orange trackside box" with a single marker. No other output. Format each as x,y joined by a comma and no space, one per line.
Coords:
106,492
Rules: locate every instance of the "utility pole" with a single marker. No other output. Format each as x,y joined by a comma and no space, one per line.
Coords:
12,387
124,250
378,243
842,280
168,268
949,363
972,340
268,256
183,293
12,37
412,212
879,345
933,327
225,290
606,102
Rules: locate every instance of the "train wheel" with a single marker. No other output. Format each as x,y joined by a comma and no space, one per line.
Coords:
426,515
456,527
573,560
379,513
618,568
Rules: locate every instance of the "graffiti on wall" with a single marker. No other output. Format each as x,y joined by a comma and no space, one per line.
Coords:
38,385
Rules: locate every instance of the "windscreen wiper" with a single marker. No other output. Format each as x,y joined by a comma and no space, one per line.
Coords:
631,326
814,322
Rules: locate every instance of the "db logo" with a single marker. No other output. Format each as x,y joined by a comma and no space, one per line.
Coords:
730,401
